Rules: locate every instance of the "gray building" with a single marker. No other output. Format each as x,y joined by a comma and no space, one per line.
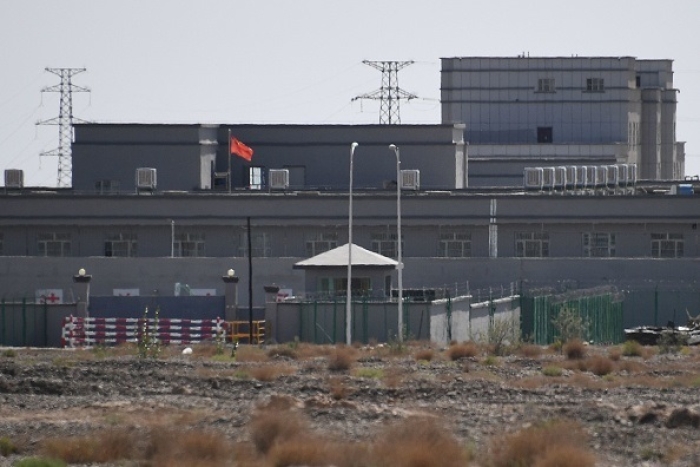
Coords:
535,111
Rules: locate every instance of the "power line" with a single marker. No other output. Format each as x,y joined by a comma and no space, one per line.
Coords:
389,94
64,121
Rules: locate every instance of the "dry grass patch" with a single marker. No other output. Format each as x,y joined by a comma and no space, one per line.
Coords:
338,389
631,366
575,349
418,442
556,443
306,351
393,377
268,428
600,365
250,354
342,359
531,351
269,372
196,448
464,350
108,446
283,351
424,355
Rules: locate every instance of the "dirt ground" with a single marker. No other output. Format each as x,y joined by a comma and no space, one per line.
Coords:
643,410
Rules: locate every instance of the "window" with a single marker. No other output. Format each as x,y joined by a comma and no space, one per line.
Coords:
189,245
595,84
107,186
54,244
544,134
667,245
121,245
255,178
532,244
385,244
338,285
545,85
598,245
455,245
322,242
259,243
638,81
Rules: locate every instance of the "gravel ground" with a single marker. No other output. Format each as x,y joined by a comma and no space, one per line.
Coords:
645,413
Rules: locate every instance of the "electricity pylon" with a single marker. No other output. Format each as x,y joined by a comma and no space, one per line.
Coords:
64,121
389,94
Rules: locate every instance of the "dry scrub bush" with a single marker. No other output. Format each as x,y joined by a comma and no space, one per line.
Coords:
268,428
463,350
418,442
250,354
196,448
269,372
615,354
600,365
341,359
424,355
107,446
556,443
531,351
632,349
574,349
338,389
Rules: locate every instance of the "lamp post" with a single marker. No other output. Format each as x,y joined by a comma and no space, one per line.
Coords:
348,301
394,148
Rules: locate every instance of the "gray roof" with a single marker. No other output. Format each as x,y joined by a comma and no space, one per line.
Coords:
338,257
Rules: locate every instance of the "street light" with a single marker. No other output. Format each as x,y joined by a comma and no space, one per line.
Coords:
394,148
348,302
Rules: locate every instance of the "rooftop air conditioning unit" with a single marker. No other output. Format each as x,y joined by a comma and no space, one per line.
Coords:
279,179
146,178
14,178
410,179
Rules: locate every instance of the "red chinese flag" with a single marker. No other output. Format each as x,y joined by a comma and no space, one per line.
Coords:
241,150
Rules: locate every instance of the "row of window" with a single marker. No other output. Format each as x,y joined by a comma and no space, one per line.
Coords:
453,244
592,85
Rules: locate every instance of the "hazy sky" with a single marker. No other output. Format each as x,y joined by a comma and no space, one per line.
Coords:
298,61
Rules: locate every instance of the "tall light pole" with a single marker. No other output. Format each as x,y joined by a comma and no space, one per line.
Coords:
348,302
394,148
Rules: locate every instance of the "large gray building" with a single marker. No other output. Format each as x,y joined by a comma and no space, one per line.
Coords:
197,208
526,110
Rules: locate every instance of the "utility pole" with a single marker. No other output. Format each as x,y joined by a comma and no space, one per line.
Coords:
389,94
64,121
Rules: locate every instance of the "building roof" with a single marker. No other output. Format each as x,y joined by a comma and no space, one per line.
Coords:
338,257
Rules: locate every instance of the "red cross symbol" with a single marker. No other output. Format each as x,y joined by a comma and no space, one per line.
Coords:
51,298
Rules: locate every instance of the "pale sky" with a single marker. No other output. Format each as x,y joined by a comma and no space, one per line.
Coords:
298,61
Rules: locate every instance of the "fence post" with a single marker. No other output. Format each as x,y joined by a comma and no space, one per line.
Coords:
24,321
2,323
656,305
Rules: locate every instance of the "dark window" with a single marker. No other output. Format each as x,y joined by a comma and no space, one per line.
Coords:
544,134
638,81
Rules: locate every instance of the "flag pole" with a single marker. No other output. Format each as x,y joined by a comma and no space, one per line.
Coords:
228,156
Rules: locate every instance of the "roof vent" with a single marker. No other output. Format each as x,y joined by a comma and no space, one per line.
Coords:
146,178
279,179
14,178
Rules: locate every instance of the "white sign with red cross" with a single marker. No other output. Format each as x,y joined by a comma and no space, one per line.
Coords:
49,296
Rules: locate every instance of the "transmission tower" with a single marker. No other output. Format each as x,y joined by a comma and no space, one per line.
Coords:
64,121
389,94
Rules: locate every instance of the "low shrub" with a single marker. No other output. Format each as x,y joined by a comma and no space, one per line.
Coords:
530,350
283,351
424,355
574,349
374,373
200,448
554,443
107,446
40,462
632,349
7,447
552,371
268,428
600,365
269,372
463,350
9,353
341,359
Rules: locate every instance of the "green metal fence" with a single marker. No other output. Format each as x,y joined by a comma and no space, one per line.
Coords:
324,321
23,322
601,311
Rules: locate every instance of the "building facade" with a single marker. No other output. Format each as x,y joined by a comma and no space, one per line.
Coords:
537,111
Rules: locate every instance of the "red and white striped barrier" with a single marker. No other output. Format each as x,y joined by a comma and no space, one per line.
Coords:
85,332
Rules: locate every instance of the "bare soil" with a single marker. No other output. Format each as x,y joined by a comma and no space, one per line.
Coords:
644,412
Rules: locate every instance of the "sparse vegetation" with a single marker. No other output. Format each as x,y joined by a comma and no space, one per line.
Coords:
569,325
503,333
531,350
552,370
574,349
424,355
40,462
7,447
9,353
341,359
463,350
600,365
632,348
